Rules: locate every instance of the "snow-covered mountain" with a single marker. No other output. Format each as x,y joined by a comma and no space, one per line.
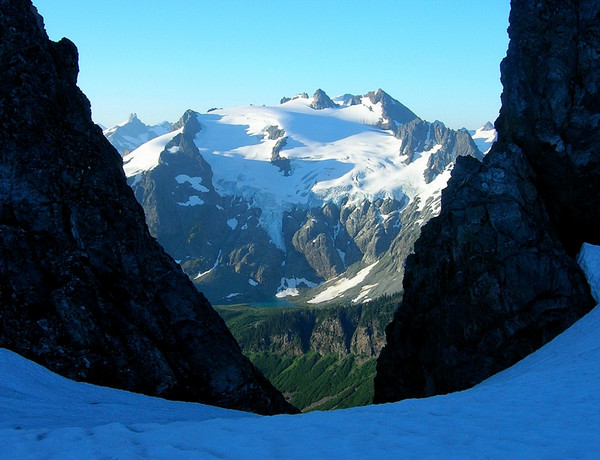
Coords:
130,134
484,137
261,202
546,406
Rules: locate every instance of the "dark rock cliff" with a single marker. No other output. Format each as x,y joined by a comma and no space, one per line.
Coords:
551,109
84,289
493,278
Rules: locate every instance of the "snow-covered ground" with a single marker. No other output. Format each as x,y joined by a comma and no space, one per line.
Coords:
546,406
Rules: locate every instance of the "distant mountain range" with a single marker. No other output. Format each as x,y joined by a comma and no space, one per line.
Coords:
314,200
484,137
130,134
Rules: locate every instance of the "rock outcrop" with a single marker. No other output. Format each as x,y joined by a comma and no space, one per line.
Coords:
354,329
393,112
493,278
551,109
84,289
322,101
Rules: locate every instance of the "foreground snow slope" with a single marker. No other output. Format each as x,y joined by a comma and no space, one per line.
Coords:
546,406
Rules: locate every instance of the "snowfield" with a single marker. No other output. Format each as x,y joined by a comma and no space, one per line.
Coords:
334,154
546,406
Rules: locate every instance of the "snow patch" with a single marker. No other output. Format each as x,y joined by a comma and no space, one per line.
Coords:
233,223
484,137
342,285
195,182
201,274
146,157
289,287
193,200
364,292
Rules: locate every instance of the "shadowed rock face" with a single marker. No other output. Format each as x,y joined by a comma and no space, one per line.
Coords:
84,289
493,278
551,109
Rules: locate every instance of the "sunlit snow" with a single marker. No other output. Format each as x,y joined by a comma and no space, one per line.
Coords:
289,287
334,154
364,292
484,137
195,182
546,406
201,274
146,156
339,286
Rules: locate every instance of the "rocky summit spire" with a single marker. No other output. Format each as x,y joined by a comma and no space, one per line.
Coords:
322,101
493,278
84,289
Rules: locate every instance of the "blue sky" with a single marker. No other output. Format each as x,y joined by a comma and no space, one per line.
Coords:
157,58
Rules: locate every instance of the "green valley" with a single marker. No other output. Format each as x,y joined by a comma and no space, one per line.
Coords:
319,358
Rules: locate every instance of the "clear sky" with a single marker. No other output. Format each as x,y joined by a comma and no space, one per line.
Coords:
438,57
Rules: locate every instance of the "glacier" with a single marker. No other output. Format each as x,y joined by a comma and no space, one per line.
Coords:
335,154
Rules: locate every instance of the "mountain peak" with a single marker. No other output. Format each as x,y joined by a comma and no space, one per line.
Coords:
393,110
322,101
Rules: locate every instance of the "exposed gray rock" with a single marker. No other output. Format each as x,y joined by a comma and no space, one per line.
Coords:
350,99
394,113
492,278
274,132
322,101
421,136
354,329
287,99
221,244
282,163
84,289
